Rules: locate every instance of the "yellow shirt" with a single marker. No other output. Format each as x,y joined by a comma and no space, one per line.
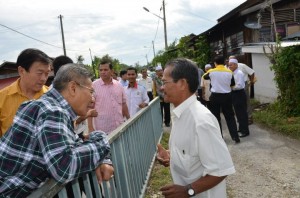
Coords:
11,98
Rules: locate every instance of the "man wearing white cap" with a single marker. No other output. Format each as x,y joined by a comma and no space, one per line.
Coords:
205,84
249,74
164,106
239,99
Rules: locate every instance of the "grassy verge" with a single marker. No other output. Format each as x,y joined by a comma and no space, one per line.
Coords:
270,118
160,175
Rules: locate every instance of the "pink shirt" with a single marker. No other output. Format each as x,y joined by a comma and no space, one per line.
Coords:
109,99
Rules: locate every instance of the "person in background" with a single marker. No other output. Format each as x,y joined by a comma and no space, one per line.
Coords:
198,157
115,75
205,84
221,80
110,101
147,83
41,142
59,61
123,78
239,99
164,106
33,68
199,90
249,78
137,97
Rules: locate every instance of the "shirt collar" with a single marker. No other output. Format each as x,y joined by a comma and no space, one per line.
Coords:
103,83
184,105
135,85
53,93
15,88
220,66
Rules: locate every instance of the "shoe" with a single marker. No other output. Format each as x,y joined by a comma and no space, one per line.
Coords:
237,140
241,135
250,121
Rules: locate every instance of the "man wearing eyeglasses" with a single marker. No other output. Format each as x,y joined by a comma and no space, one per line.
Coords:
41,142
198,157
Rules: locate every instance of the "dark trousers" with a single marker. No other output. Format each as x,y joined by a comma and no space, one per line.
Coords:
223,101
165,111
199,98
239,101
150,95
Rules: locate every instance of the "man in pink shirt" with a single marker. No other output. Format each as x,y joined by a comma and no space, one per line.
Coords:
110,101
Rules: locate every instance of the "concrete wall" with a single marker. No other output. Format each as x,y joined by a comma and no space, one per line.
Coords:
265,89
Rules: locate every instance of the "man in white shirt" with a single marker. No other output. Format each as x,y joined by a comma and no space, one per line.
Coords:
198,157
249,76
146,82
137,97
239,99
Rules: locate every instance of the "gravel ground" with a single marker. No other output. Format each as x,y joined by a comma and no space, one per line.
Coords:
267,165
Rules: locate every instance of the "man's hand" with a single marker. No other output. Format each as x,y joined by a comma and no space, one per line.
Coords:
174,191
92,113
163,156
142,105
104,172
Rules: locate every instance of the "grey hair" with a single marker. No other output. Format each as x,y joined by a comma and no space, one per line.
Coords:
70,72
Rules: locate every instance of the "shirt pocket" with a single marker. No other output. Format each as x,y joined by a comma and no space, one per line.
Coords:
183,163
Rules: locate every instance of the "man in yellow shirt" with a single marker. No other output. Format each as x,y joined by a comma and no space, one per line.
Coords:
33,68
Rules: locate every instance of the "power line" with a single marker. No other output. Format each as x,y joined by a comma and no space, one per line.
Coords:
29,36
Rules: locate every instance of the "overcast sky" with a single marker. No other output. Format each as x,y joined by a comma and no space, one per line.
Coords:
120,28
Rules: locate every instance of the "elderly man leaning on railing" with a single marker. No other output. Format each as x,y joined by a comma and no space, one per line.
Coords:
41,142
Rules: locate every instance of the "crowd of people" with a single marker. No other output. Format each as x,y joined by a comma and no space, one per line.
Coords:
61,131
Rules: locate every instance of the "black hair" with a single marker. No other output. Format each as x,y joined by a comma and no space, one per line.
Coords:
132,68
28,56
219,60
106,62
60,61
185,69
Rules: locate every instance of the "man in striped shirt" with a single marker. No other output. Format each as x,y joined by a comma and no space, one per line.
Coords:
41,142
110,101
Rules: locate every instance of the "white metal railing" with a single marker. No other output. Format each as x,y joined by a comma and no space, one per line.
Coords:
133,149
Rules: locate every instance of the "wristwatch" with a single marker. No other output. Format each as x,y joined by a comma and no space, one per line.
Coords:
190,191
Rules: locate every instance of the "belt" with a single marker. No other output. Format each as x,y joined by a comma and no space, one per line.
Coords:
239,90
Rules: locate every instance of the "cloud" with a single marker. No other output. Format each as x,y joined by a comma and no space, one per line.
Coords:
121,29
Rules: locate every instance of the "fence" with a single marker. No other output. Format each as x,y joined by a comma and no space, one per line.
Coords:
133,148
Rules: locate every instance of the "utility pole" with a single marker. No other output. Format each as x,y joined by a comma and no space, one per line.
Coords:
147,59
62,34
153,49
165,25
94,69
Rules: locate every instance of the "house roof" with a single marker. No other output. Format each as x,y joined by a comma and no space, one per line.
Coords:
243,9
8,65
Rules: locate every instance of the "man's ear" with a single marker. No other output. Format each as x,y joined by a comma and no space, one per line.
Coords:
183,84
21,70
72,88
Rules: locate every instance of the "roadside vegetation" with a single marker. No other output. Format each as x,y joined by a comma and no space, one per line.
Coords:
160,175
270,117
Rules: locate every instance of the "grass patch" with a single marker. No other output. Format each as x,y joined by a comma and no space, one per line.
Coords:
270,118
160,175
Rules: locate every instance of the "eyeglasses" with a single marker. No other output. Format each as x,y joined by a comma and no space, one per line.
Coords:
166,82
92,91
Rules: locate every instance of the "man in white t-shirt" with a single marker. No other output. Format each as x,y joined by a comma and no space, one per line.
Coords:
146,82
137,97
198,157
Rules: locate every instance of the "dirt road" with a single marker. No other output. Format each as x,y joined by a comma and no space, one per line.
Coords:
267,165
